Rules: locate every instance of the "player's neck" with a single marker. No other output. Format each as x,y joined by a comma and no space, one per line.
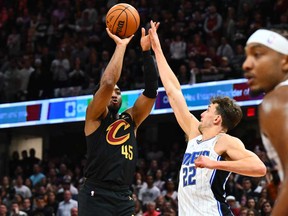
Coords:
206,135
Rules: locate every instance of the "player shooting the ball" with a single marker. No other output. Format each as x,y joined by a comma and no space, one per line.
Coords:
111,137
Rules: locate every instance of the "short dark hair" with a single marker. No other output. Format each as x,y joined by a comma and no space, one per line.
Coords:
230,112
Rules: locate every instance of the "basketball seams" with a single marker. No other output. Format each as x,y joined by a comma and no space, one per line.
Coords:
123,10
123,13
126,20
134,17
116,8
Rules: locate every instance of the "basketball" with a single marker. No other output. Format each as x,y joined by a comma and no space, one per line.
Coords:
123,20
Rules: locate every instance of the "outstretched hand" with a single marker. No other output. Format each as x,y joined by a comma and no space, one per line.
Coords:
154,39
118,40
145,39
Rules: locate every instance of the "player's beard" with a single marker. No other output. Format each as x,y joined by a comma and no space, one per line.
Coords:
114,109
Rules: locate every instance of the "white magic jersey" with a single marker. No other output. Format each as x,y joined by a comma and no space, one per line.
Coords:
202,191
271,152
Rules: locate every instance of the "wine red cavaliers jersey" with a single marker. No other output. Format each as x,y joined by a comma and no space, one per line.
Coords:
112,151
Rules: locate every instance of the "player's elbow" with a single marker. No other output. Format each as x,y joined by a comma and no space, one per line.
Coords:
108,84
260,170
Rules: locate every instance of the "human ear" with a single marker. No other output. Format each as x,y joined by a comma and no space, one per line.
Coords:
285,64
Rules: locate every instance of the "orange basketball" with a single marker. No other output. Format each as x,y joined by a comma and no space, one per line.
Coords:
123,20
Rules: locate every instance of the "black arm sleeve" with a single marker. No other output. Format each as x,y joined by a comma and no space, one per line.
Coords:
150,75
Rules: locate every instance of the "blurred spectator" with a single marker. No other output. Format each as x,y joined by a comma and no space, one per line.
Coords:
3,210
224,68
243,211
225,49
155,153
170,194
14,162
37,175
53,34
77,76
12,81
36,82
234,205
194,72
61,11
178,49
25,163
14,42
183,74
52,201
138,183
283,23
273,185
159,182
229,24
149,193
252,212
212,26
208,67
67,204
41,30
32,157
92,12
7,191
247,191
251,203
151,209
67,185
74,211
92,68
60,67
237,60
22,189
84,24
138,207
80,51
25,74
210,72
153,168
256,22
41,208
266,209
168,210
77,176
15,210
213,55
27,206
29,184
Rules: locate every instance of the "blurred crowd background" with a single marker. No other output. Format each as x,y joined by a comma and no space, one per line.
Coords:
60,48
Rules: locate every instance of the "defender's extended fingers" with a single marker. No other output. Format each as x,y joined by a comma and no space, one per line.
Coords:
157,25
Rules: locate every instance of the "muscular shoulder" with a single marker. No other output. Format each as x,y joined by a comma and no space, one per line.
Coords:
273,111
226,142
275,100
226,138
